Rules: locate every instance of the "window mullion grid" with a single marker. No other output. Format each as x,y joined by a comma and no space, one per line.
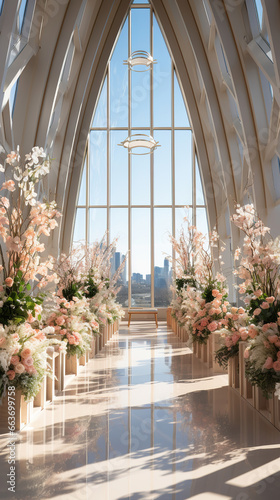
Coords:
193,183
173,167
152,169
129,168
87,191
108,156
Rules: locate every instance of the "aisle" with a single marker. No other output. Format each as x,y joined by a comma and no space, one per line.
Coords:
146,420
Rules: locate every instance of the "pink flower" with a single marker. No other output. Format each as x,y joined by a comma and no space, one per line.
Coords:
258,293
19,368
11,374
5,202
257,311
235,337
25,353
246,354
273,338
268,364
215,292
270,300
15,360
276,365
241,310
213,326
28,361
60,321
9,282
264,305
243,333
9,185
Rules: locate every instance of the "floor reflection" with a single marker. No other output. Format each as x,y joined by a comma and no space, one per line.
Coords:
146,420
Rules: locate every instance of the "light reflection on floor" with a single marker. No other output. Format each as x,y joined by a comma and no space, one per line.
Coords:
146,420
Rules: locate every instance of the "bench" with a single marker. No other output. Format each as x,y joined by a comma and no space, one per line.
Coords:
142,311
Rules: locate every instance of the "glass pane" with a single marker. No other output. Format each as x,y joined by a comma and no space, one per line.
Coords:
199,189
80,225
162,269
259,11
100,115
181,118
140,30
140,99
161,80
1,6
119,81
21,14
12,98
140,180
141,257
97,224
83,185
119,168
98,168
180,214
201,220
183,167
141,1
162,169
119,229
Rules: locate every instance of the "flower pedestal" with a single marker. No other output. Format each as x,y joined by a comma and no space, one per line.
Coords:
169,317
41,397
185,335
59,362
72,365
276,412
23,412
246,389
174,324
263,405
51,379
233,372
213,344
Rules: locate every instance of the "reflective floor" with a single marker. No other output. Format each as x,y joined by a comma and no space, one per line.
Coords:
146,420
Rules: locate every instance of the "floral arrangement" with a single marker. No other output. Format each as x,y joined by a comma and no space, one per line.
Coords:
259,266
23,357
235,328
262,367
73,323
24,222
211,313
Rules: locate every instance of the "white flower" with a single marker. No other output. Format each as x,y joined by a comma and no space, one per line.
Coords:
277,391
2,168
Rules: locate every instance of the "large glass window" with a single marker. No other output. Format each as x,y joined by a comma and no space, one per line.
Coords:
140,200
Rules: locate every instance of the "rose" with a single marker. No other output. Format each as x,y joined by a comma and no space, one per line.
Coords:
213,326
264,305
25,353
9,282
270,300
11,374
28,361
19,368
257,311
246,353
268,364
276,365
60,320
15,360
273,338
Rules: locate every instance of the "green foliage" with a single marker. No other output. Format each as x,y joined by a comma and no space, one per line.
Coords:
264,379
72,290
207,293
184,281
267,315
223,354
28,384
18,303
90,287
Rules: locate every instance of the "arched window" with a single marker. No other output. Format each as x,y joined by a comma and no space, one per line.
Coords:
140,199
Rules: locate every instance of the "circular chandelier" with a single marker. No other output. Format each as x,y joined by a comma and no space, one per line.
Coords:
140,58
140,141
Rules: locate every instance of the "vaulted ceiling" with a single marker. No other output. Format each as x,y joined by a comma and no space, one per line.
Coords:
228,65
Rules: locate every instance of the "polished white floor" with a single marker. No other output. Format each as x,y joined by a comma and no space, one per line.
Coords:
146,420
